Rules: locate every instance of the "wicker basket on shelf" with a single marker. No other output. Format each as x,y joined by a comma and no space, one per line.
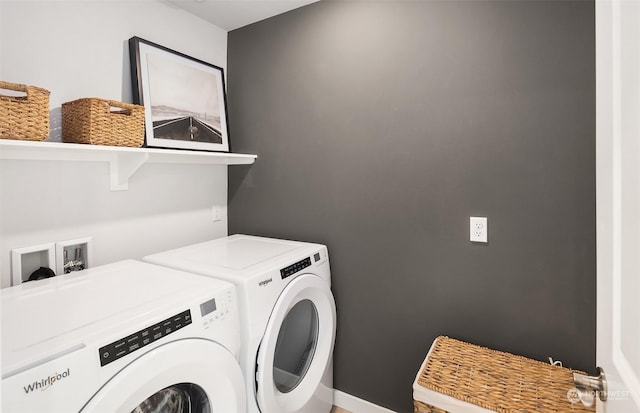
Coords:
94,121
24,117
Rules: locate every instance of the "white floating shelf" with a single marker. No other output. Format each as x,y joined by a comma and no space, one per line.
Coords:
123,161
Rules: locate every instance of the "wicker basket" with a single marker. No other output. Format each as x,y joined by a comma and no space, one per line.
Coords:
494,380
24,117
419,407
92,121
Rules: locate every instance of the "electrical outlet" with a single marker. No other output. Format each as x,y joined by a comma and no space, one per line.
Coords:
478,229
215,213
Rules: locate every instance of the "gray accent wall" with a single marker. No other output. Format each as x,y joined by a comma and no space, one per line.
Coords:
381,127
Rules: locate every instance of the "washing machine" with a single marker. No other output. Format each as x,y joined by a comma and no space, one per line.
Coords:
124,337
287,313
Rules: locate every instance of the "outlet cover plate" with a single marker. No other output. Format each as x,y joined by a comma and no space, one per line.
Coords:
478,229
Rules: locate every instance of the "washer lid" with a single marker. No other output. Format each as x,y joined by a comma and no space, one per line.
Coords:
51,316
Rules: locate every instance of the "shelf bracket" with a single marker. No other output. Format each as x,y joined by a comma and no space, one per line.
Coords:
122,166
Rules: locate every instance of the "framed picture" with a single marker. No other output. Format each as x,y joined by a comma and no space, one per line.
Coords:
184,98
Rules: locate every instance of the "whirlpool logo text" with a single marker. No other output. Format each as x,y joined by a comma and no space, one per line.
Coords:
265,282
46,383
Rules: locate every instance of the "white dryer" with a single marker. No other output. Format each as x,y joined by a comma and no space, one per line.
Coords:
124,337
288,316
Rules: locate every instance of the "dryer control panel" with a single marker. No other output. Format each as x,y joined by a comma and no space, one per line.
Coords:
294,268
120,348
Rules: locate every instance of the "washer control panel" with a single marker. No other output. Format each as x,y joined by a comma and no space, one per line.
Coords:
216,309
120,348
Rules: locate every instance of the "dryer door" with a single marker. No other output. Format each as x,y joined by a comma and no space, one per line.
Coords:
190,375
297,346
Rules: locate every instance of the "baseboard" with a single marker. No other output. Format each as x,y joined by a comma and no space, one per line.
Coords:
356,405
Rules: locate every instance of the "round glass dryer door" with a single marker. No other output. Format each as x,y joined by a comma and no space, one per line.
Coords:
193,375
297,345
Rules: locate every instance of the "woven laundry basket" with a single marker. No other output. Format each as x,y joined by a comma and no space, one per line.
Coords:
458,376
94,121
24,117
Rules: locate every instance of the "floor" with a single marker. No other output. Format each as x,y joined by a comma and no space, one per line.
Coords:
339,410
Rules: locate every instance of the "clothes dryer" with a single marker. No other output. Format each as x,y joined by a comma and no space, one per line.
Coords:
125,337
288,316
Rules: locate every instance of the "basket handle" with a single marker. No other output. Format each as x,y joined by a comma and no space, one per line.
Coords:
128,106
14,86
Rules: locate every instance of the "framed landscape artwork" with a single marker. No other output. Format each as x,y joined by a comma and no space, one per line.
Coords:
184,98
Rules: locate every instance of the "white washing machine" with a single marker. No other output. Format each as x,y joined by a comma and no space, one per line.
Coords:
125,337
288,316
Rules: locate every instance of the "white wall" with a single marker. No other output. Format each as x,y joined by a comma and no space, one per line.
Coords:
79,49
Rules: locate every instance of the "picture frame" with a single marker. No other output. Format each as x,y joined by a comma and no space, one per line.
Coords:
184,98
